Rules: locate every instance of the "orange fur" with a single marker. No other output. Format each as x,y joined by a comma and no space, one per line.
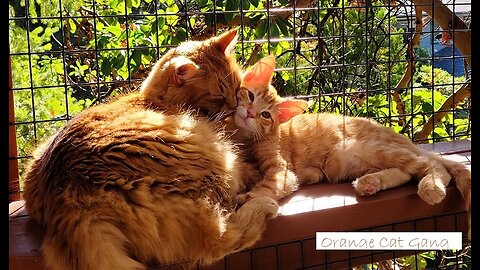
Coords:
145,179
312,148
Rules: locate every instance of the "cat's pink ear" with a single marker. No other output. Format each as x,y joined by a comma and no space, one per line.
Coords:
289,108
184,69
227,40
260,74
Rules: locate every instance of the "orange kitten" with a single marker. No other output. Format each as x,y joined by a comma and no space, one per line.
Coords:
139,181
294,149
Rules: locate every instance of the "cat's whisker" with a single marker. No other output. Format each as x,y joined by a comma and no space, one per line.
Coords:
228,75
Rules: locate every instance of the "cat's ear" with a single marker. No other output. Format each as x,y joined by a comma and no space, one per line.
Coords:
184,70
289,108
227,41
260,74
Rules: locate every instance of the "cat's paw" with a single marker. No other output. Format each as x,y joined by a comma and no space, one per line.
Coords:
430,191
243,198
263,206
367,185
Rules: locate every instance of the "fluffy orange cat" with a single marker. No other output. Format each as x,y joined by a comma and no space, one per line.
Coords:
141,180
294,149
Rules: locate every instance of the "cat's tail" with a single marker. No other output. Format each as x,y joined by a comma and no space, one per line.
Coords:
462,177
86,244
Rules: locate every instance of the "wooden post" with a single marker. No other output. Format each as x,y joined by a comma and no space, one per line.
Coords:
13,183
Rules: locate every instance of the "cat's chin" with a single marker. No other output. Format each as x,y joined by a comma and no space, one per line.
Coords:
241,122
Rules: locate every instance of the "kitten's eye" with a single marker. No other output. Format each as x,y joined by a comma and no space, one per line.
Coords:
265,115
251,96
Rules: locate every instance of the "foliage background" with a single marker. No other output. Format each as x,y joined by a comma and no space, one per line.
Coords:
68,55
344,57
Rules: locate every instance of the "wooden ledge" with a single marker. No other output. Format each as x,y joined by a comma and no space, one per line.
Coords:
314,208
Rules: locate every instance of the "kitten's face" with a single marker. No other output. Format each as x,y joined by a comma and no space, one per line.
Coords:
256,115
201,75
260,109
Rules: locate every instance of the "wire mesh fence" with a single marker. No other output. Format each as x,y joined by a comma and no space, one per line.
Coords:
404,63
302,254
382,59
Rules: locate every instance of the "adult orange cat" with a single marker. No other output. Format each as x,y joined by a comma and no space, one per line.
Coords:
141,180
294,149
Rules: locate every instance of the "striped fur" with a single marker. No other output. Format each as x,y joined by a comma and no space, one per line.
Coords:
325,147
146,178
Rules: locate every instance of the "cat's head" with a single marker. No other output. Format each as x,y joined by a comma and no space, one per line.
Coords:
260,109
199,75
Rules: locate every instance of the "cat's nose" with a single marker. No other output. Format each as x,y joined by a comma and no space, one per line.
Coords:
250,114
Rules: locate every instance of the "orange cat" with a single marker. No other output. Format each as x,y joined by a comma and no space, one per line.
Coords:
294,149
139,180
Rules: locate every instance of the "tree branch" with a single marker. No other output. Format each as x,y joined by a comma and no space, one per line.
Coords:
437,116
407,76
237,20
447,20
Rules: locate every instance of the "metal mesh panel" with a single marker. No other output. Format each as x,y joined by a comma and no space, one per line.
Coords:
348,57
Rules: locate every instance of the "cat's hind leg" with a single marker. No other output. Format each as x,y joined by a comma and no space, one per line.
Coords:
371,183
462,177
432,185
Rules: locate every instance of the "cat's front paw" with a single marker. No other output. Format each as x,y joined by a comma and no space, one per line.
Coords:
367,185
243,198
430,191
264,205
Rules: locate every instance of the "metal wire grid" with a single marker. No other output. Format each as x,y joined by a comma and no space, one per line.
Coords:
332,96
302,254
312,53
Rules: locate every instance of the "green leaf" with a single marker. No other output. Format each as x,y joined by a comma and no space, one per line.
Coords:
145,28
181,34
172,7
202,3
157,24
256,2
440,132
427,107
118,61
261,29
103,41
73,26
106,67
136,3
245,4
137,59
116,30
274,31
231,5
283,25
256,18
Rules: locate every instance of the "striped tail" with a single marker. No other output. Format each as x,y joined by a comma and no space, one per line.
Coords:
462,177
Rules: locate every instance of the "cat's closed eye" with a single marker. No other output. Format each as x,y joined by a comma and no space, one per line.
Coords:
251,96
266,115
